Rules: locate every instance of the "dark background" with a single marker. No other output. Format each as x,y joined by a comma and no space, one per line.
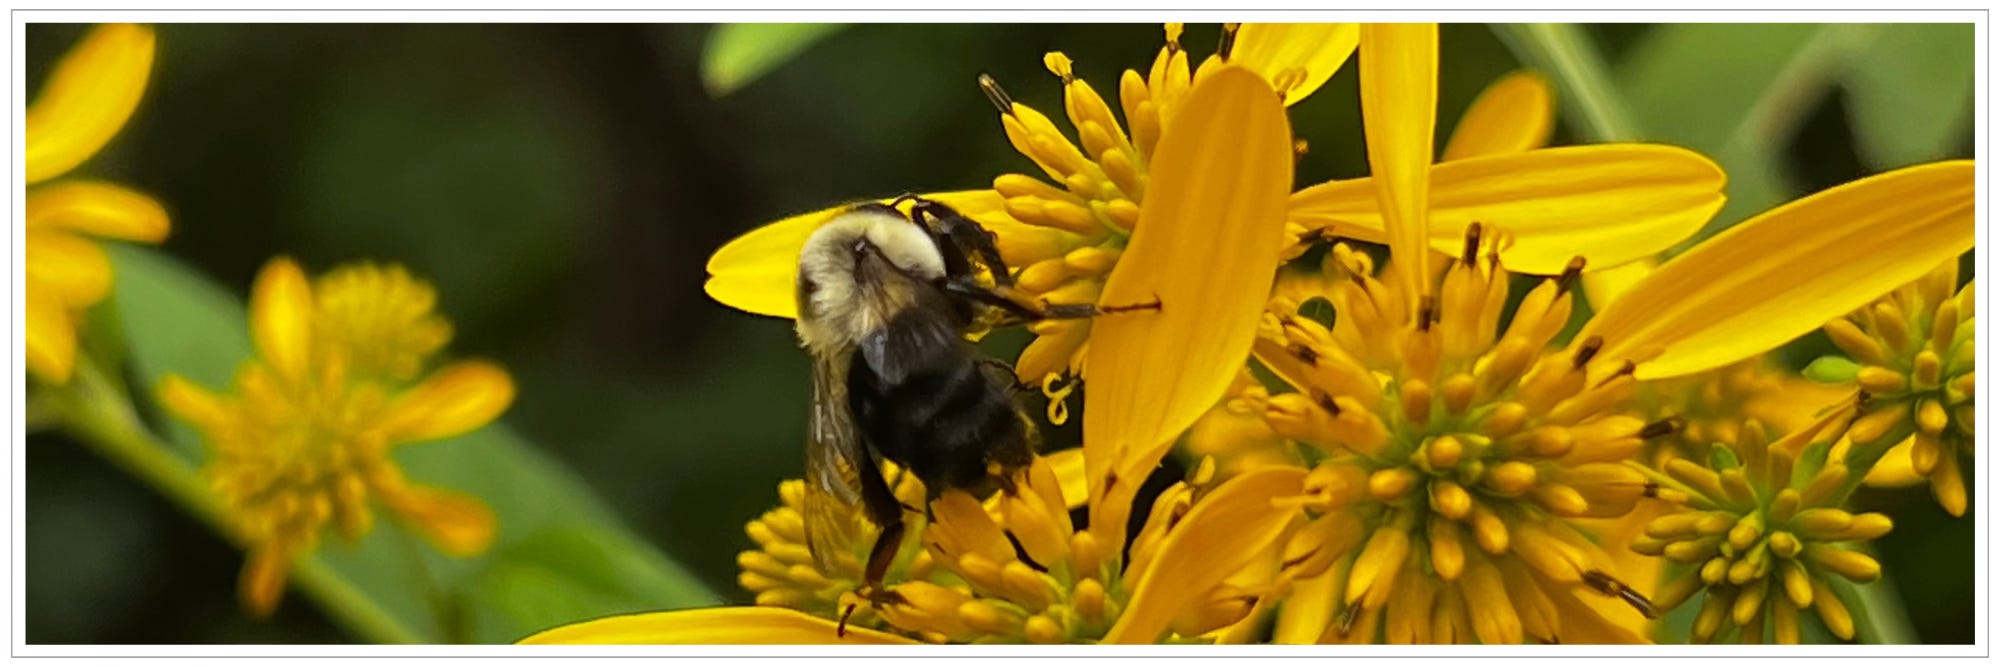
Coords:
563,185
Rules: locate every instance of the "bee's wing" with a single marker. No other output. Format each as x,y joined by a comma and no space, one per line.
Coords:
833,512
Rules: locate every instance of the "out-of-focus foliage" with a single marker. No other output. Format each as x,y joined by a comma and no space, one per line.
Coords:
739,53
560,553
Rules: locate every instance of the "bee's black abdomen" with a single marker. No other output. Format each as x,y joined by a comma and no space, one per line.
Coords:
922,399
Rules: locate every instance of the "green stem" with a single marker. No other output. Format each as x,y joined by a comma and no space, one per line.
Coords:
1565,53
99,415
1880,617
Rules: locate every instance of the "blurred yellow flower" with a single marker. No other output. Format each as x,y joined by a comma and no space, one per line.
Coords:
86,100
304,438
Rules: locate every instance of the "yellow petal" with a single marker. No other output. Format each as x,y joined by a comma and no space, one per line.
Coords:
51,338
281,307
1205,248
71,269
1239,513
1787,271
87,98
1295,57
1068,466
1606,286
758,271
98,209
192,403
1609,203
1513,114
1308,610
1895,468
716,625
1399,116
456,399
458,524
262,583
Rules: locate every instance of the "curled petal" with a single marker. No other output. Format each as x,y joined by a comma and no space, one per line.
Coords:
87,98
281,317
758,271
457,523
68,267
1513,114
718,625
1205,250
1895,468
1399,117
1296,58
1788,271
98,209
1239,513
262,582
51,335
192,403
1609,203
455,400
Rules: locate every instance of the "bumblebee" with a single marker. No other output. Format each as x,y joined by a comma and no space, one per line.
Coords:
885,301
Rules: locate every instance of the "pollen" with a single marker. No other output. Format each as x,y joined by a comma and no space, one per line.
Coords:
1453,453
302,443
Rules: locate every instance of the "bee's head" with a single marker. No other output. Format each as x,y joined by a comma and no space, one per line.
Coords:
861,268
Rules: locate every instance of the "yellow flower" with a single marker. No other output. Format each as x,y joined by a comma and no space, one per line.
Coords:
88,97
304,439
1457,456
1064,235
1912,353
1760,530
969,581
1012,569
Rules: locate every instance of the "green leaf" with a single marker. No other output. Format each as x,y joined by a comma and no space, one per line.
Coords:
739,53
1736,92
393,584
1909,94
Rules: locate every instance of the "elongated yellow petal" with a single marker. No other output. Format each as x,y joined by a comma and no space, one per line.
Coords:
1606,286
87,98
716,625
1513,114
1787,271
98,209
1205,249
1296,58
455,400
758,271
458,524
1308,610
1193,559
262,583
1609,203
51,335
71,269
1399,115
281,317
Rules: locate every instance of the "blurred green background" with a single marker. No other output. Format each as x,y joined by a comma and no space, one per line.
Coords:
563,186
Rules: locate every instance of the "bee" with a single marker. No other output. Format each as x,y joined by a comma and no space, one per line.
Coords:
885,300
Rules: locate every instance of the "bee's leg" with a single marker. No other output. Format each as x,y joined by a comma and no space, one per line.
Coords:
1020,304
883,508
964,235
